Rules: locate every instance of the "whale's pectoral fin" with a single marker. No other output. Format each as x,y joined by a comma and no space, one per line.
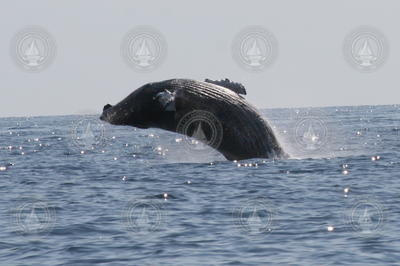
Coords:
167,100
233,86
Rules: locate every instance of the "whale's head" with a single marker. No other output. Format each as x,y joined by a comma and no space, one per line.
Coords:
143,108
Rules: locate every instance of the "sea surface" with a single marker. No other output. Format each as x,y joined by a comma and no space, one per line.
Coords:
75,191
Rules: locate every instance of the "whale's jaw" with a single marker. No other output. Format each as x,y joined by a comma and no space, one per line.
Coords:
118,118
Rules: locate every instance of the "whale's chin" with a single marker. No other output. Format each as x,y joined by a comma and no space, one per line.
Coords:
106,118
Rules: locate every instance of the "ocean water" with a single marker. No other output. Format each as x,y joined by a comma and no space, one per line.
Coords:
77,192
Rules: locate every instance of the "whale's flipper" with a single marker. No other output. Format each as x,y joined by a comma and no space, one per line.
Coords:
233,86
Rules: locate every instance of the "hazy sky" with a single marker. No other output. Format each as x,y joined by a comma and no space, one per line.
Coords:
88,70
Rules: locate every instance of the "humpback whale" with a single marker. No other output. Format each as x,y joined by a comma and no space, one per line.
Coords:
214,112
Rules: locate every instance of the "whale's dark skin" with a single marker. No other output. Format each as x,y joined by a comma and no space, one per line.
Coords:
162,104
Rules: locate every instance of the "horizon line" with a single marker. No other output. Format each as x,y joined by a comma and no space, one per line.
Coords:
262,108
